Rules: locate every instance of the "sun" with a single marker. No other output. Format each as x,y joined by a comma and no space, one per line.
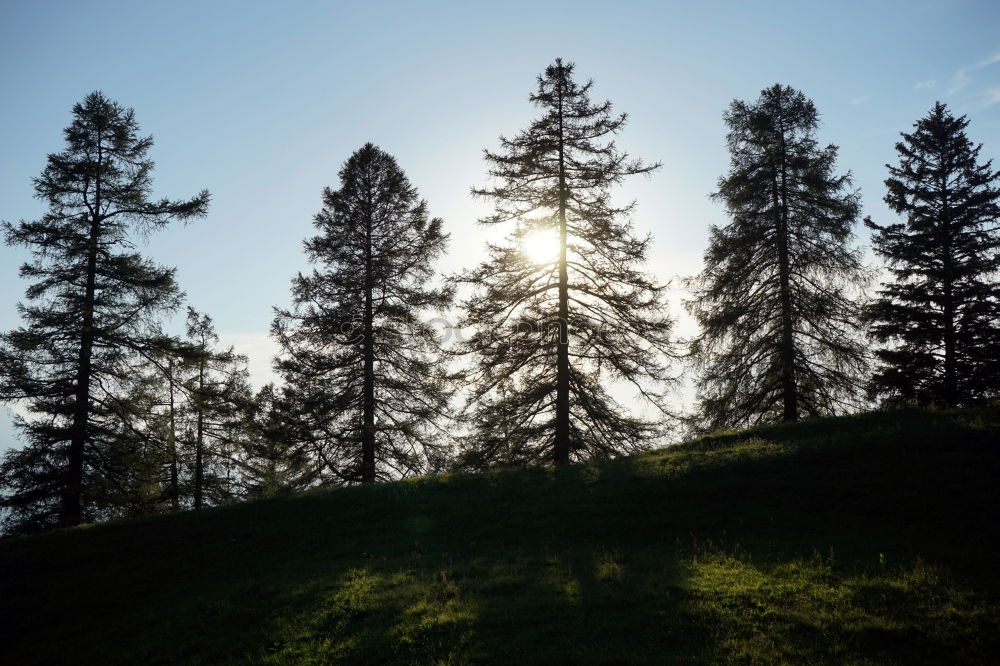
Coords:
541,246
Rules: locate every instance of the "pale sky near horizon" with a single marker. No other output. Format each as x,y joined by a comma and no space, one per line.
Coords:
261,102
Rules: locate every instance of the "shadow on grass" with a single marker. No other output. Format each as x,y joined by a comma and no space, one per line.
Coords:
869,539
548,607
707,605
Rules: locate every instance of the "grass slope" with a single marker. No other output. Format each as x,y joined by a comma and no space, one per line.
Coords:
867,539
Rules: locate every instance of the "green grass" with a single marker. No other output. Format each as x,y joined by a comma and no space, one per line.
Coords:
869,539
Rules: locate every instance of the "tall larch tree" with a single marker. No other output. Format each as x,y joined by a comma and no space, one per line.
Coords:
360,360
777,300
939,316
551,330
93,305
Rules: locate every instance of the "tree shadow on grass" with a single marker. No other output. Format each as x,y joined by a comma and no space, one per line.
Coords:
701,603
568,607
766,551
761,554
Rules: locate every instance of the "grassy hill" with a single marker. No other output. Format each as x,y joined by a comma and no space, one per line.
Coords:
867,539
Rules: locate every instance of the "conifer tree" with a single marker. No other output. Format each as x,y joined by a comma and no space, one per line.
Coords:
217,389
939,317
270,459
170,374
550,332
92,306
360,363
134,466
126,475
775,301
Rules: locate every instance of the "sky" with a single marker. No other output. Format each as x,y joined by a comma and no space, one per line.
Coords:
262,102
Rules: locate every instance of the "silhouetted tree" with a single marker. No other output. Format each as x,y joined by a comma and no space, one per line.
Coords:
162,402
127,472
780,334
169,367
357,358
217,389
93,304
271,460
550,333
133,478
941,312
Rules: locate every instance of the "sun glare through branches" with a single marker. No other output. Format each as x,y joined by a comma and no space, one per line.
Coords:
542,246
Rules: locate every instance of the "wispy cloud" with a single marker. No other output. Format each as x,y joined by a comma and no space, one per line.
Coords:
860,100
990,96
925,85
259,348
963,77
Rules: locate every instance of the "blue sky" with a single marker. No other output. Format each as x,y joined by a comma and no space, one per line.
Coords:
261,102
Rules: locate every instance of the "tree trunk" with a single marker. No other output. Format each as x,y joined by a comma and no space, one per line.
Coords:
175,492
789,390
950,397
71,513
368,398
199,472
561,446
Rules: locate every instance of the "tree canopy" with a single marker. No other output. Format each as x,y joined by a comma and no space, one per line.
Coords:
775,301
359,357
939,317
550,333
91,311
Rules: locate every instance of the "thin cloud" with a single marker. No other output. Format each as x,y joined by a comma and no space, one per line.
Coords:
860,100
990,96
925,85
963,78
259,348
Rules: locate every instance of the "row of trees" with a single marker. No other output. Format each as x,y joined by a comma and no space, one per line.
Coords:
782,303
124,419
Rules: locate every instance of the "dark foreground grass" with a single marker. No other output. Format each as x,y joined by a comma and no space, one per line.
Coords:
869,539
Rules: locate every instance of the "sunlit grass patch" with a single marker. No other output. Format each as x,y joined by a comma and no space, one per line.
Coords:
809,609
608,566
370,616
